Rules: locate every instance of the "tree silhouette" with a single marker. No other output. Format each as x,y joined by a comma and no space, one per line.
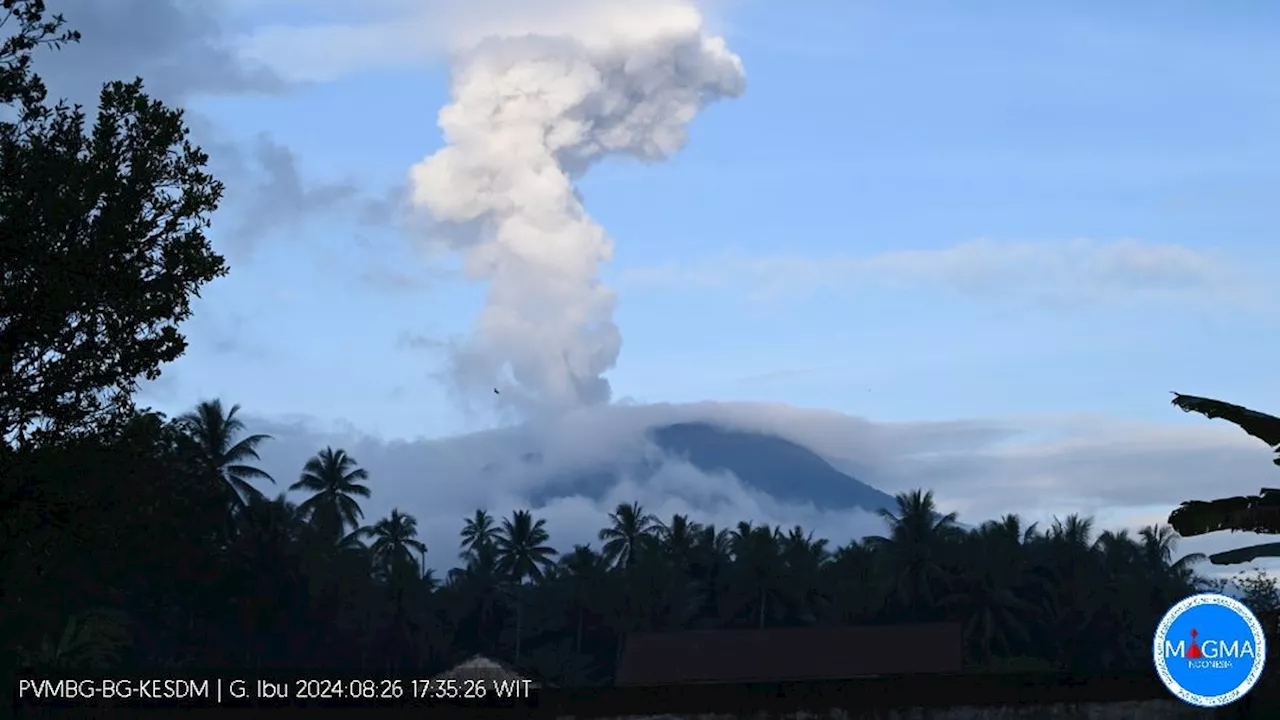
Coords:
478,530
295,586
523,554
917,533
395,541
632,528
158,525
1249,513
223,452
102,234
334,479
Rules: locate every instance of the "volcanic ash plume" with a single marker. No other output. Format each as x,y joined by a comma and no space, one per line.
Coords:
530,114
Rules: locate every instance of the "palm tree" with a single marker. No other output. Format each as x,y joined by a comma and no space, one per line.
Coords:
584,568
395,540
215,433
523,554
394,544
631,530
1072,561
334,481
709,570
756,555
803,558
474,588
270,531
679,540
850,582
1167,579
477,530
986,599
1074,534
269,525
913,547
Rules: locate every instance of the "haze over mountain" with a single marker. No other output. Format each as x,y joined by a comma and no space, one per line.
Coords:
781,469
827,470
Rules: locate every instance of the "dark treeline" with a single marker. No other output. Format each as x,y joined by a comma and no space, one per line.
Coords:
151,546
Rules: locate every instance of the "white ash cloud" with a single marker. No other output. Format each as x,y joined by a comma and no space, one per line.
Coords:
532,109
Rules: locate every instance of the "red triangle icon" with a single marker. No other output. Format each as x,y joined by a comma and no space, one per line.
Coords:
1193,652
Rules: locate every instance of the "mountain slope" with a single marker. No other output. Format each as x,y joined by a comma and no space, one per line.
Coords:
780,468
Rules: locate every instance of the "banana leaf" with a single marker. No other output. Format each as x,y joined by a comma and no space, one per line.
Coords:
1246,554
1260,425
1250,513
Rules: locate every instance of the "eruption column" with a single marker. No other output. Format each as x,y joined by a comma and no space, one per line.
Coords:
530,114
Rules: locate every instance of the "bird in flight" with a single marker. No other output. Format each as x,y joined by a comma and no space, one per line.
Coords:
495,391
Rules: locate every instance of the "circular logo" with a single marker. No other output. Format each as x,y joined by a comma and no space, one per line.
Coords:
1209,650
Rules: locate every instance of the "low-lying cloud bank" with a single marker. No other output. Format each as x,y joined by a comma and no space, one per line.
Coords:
1125,474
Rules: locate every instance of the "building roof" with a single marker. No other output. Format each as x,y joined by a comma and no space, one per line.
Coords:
789,654
479,667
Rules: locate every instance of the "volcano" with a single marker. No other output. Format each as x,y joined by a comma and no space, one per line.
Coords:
785,470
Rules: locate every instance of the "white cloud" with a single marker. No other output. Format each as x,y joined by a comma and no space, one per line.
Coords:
1073,271
1126,474
179,47
536,100
340,39
184,51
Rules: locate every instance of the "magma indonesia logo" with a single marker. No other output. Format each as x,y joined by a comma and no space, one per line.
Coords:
1209,650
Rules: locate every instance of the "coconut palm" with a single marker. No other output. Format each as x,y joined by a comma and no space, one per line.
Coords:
803,558
523,555
849,581
632,529
477,530
269,526
395,541
522,549
759,565
475,588
584,569
334,479
222,451
679,539
985,596
913,549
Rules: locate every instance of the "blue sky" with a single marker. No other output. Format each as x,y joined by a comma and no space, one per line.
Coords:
916,129
915,212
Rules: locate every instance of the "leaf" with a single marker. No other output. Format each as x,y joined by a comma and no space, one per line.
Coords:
1251,513
1246,554
1260,425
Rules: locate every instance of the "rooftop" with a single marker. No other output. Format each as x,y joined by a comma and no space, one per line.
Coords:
790,654
479,667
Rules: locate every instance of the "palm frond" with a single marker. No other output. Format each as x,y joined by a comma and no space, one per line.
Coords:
248,472
1246,554
355,489
1259,425
1250,513
308,506
1186,561
246,448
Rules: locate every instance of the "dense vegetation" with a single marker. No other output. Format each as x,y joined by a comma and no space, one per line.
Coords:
151,545
130,540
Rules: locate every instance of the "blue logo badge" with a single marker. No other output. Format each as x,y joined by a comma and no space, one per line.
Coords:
1209,650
